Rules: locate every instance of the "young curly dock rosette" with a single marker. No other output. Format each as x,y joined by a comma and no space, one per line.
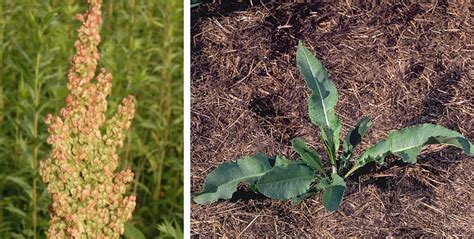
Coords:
89,198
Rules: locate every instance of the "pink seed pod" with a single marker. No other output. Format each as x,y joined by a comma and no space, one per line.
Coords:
80,172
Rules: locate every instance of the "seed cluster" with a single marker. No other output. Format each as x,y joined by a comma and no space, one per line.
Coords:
89,198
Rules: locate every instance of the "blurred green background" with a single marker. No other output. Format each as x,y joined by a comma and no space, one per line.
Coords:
142,46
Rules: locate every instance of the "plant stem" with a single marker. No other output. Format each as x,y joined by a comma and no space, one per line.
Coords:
35,136
353,169
166,74
2,26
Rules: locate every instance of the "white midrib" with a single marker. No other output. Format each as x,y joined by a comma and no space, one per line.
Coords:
403,149
257,175
407,148
288,180
418,145
241,179
319,89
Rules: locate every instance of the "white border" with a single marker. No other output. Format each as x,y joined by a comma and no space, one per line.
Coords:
187,118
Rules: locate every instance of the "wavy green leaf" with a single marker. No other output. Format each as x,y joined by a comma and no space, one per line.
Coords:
353,138
222,182
286,181
408,142
333,194
323,99
309,156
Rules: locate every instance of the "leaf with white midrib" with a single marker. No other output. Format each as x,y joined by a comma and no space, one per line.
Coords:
318,88
322,102
222,182
407,143
289,179
285,182
352,139
308,155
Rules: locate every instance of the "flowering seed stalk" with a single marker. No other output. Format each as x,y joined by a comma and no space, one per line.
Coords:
88,194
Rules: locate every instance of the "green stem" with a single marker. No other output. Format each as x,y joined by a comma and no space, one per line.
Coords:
35,149
353,169
328,150
2,26
166,74
343,163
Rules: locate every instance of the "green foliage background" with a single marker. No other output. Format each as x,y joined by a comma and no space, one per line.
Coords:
142,46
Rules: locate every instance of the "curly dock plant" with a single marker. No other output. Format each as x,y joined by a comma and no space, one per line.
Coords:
280,178
88,195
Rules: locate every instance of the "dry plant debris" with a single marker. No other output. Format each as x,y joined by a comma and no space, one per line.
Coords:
400,63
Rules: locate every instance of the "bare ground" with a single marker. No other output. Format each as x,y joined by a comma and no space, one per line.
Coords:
401,64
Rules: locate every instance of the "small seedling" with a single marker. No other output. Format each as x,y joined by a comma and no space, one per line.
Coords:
280,178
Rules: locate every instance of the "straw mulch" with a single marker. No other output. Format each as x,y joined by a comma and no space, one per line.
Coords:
400,63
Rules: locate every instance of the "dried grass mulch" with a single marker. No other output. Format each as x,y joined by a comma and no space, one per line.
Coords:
400,63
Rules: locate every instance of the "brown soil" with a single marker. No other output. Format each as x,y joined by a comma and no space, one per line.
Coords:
401,64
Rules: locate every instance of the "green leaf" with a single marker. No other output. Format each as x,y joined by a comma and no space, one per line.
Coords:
20,182
332,197
14,210
309,156
408,142
131,232
195,3
170,230
282,161
333,194
285,182
323,184
322,101
222,182
353,138
253,187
